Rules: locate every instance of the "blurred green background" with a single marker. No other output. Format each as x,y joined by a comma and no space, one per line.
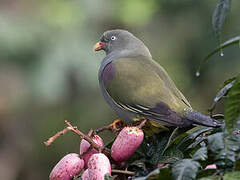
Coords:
48,70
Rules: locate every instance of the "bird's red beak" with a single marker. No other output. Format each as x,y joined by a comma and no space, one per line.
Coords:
99,46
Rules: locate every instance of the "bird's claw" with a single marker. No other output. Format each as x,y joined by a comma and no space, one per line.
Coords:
117,124
115,127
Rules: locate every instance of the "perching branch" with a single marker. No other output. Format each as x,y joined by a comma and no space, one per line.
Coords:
79,133
117,171
142,124
53,138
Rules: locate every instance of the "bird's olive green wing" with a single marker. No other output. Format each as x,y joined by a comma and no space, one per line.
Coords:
140,85
168,82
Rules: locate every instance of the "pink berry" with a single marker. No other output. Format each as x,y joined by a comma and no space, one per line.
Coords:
84,147
211,166
85,175
98,166
160,165
69,166
126,143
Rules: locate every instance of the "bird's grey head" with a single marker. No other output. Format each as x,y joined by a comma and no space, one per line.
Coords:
122,44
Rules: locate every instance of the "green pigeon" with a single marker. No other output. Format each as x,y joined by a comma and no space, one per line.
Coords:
137,87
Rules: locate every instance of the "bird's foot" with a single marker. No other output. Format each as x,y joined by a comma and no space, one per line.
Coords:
115,127
117,124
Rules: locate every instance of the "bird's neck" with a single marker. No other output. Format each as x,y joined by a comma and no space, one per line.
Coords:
129,53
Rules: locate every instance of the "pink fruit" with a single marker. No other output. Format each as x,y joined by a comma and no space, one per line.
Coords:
85,175
160,165
126,143
69,166
98,166
211,166
84,147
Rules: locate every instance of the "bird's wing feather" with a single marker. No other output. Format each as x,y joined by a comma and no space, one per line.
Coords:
140,85
169,82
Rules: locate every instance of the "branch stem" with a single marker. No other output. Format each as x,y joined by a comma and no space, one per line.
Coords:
53,138
87,138
123,172
142,124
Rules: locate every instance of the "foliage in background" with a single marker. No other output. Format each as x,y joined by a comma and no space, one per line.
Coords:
219,15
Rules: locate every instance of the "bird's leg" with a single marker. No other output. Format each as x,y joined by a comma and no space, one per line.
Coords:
118,123
114,127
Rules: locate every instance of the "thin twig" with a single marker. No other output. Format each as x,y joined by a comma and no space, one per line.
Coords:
123,172
90,134
85,152
103,129
170,140
53,138
87,138
142,124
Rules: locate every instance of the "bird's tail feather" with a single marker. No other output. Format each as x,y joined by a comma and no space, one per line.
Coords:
200,119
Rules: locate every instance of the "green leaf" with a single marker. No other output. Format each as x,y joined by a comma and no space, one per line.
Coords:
215,142
157,144
205,173
174,134
224,146
185,169
232,175
198,141
139,168
219,15
171,155
230,42
237,165
232,106
107,177
223,92
192,135
169,159
157,174
200,154
211,178
229,81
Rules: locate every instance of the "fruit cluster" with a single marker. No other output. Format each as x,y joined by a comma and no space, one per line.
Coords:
95,163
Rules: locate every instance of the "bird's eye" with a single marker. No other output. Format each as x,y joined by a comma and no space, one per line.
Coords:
113,38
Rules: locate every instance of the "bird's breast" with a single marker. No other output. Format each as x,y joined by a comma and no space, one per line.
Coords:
108,73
